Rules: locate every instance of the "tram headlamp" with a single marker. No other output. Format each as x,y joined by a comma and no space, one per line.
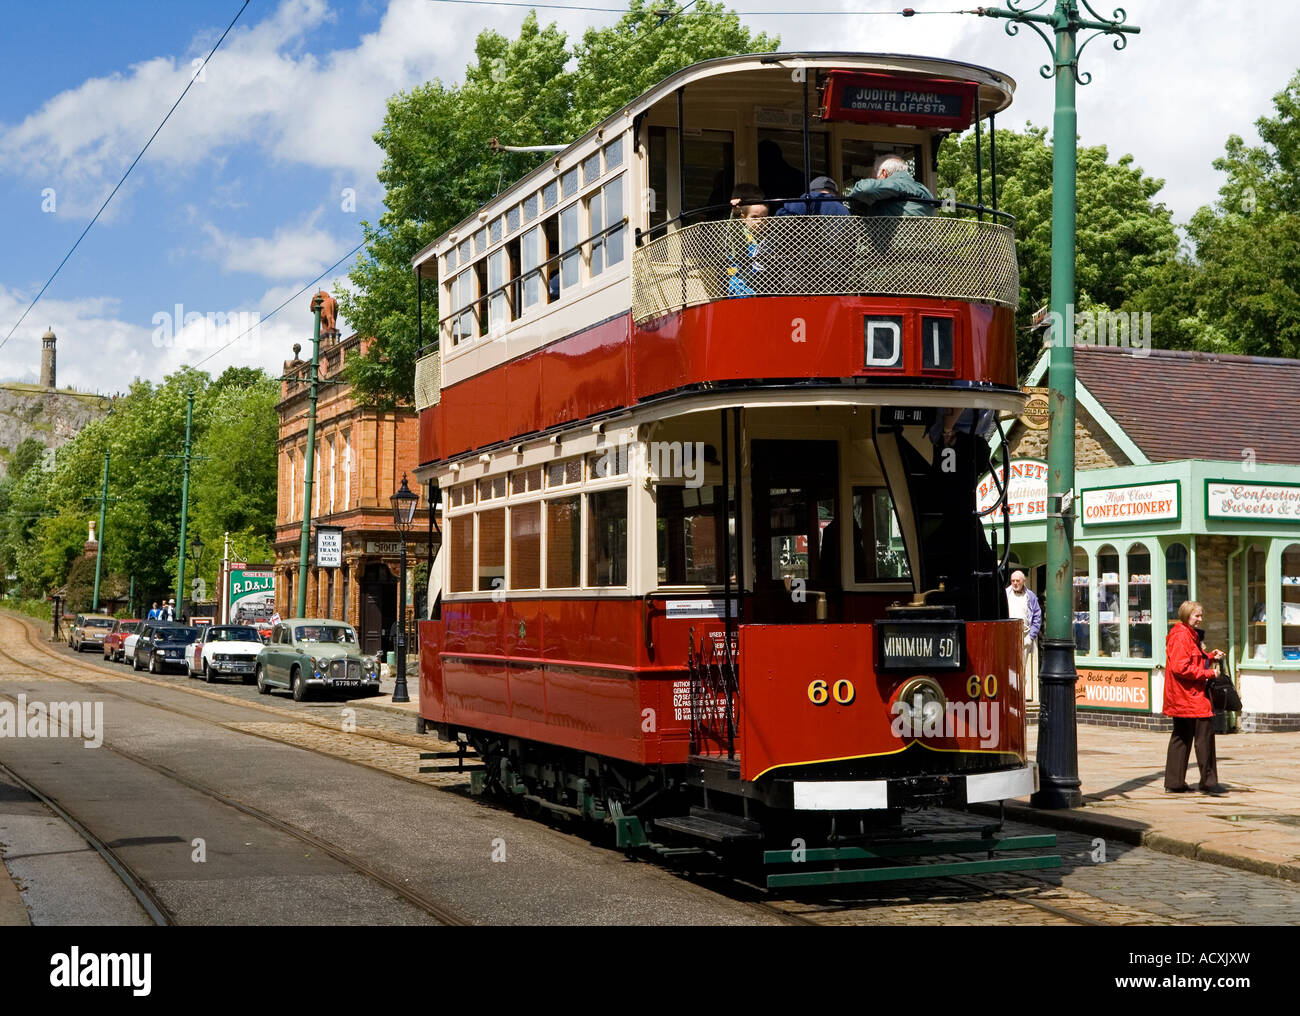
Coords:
922,702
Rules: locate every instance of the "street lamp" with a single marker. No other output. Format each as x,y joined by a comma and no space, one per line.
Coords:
404,503
196,551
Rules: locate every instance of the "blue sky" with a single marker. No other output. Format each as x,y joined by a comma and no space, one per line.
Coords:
239,202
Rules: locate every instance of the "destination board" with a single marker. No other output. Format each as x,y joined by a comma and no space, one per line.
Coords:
920,645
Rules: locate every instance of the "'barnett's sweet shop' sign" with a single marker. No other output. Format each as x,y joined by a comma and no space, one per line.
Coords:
889,98
1027,496
1146,502
1277,502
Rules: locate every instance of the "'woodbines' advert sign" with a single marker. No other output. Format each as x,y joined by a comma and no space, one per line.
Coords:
1145,502
1276,502
1129,690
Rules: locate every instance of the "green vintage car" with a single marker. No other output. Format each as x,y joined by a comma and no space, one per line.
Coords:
307,652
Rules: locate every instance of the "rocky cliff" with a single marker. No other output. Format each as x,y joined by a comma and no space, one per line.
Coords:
52,417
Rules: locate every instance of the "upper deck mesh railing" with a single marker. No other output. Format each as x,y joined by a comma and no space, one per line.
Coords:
826,255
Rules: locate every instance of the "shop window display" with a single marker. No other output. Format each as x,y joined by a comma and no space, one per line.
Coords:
1139,602
1257,605
1108,605
1290,604
1177,582
1082,642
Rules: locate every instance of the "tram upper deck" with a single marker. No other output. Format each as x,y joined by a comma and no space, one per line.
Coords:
599,280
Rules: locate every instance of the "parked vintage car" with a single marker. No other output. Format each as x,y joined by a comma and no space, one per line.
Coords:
311,653
224,649
162,645
117,635
89,631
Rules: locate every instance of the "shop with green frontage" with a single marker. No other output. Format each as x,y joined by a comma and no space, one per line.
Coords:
1187,489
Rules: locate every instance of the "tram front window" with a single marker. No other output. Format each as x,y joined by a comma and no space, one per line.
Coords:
878,551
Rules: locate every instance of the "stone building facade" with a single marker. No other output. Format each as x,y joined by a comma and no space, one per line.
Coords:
360,457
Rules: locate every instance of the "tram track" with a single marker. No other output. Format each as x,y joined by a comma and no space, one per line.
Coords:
788,911
136,884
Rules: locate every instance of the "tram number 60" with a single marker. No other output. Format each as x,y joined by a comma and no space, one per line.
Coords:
986,686
819,692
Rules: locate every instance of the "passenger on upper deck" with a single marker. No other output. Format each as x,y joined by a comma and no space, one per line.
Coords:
820,200
744,245
891,190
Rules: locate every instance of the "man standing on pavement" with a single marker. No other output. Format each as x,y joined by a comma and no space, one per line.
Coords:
1023,604
153,612
168,613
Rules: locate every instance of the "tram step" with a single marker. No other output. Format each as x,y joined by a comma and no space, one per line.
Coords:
716,826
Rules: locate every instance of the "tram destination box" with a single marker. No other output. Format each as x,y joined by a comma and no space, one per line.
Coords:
920,645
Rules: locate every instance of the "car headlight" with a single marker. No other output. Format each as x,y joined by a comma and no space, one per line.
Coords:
369,664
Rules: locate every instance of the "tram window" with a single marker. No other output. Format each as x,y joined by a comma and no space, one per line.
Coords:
551,272
492,549
498,302
689,532
461,541
451,260
607,538
495,230
523,481
560,473
710,174
878,551
491,488
614,154
569,240
530,208
569,182
780,168
466,251
526,546
480,241
462,299
612,462
858,157
512,219
530,252
480,307
606,210
658,138
550,195
563,515
591,168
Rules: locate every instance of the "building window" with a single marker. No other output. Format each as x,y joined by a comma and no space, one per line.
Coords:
563,551
492,549
347,470
689,533
1290,604
607,538
878,551
293,486
329,593
333,476
461,541
1082,612
1257,604
526,546
1138,592
1108,606
347,588
1178,582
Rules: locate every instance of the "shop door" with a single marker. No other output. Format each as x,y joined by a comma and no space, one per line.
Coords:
796,531
378,609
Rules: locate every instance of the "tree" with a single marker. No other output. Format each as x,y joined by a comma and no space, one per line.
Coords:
437,169
1125,238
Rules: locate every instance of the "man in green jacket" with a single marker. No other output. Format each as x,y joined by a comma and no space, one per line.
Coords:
890,191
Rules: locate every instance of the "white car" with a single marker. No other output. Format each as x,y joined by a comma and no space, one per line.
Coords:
128,646
224,649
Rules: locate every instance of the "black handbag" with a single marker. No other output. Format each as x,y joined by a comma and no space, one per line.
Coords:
1223,692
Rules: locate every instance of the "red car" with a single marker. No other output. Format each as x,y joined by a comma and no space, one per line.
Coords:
117,635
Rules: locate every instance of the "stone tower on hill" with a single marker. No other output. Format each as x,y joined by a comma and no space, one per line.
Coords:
47,359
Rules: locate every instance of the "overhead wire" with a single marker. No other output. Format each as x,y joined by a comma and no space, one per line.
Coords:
134,161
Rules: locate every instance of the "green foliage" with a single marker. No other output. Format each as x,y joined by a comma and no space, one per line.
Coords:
81,586
24,457
534,89
1125,238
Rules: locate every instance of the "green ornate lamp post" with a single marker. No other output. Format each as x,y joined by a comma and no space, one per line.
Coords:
1058,761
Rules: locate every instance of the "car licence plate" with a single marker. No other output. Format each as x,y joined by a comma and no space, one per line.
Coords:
340,683
241,668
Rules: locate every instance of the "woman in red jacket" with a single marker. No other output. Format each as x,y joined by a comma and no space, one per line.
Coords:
1187,669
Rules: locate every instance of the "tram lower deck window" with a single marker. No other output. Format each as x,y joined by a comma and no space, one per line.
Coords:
563,551
607,538
492,549
462,553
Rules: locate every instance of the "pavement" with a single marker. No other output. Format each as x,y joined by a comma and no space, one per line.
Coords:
1254,827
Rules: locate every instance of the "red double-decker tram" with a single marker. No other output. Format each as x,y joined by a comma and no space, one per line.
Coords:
711,567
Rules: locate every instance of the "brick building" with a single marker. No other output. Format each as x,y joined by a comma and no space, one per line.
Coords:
361,456
1188,488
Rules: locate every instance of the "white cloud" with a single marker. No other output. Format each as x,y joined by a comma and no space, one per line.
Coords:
292,252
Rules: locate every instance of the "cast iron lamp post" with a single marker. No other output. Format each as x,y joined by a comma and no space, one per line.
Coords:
1058,755
404,503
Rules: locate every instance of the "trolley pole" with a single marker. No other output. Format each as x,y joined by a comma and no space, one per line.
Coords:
309,467
99,547
1058,755
185,509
